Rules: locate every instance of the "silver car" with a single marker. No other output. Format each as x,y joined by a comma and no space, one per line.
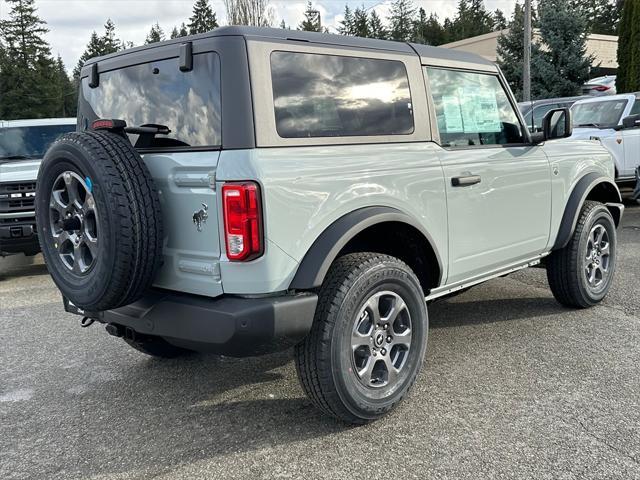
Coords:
600,86
250,189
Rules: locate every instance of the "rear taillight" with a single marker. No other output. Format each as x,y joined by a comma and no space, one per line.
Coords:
601,88
242,221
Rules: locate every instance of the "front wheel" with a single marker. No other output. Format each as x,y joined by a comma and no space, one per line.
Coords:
368,339
580,274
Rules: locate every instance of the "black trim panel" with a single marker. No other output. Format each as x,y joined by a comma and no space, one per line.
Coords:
325,249
574,204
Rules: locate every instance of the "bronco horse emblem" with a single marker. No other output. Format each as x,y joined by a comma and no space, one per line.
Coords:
200,216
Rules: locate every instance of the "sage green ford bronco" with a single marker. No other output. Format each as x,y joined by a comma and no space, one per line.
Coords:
247,190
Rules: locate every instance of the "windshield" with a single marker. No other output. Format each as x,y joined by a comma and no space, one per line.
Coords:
598,114
188,103
18,143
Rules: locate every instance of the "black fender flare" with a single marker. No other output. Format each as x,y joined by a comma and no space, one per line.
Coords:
331,241
577,198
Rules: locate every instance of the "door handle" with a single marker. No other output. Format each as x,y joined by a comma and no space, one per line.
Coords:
465,181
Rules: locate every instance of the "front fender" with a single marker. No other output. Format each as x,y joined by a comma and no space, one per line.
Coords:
608,194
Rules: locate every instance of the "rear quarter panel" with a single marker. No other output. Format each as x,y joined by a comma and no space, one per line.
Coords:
306,189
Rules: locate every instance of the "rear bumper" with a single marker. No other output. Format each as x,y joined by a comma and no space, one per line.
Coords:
18,234
228,325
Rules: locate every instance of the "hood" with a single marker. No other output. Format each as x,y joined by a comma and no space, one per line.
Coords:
585,133
19,170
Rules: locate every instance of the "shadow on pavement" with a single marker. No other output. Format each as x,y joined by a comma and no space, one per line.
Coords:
457,313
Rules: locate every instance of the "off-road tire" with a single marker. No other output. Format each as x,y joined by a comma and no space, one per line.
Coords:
129,220
156,347
566,267
326,377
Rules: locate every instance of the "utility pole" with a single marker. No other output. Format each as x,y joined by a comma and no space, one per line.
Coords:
526,75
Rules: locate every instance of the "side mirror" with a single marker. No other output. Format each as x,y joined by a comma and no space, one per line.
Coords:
632,121
557,124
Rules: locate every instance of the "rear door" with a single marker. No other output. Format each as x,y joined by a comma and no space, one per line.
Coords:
498,187
182,163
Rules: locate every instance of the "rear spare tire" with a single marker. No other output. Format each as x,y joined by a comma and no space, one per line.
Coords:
99,220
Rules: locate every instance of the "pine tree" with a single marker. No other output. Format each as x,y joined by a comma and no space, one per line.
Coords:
155,34
510,51
560,69
428,30
361,23
283,25
346,24
499,20
203,18
68,92
376,27
601,16
98,46
182,32
472,19
628,75
311,22
29,86
401,20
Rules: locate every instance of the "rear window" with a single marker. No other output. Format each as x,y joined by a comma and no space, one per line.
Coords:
160,93
29,142
332,96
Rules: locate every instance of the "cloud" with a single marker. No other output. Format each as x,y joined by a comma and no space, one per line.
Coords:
71,22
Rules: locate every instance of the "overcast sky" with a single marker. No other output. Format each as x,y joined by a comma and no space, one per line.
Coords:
71,21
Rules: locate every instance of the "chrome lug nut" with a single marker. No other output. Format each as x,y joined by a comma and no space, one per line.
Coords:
383,351
389,338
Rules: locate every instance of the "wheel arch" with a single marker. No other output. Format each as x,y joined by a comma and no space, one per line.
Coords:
362,230
592,186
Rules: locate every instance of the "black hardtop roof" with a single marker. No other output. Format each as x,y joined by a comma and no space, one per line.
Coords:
424,51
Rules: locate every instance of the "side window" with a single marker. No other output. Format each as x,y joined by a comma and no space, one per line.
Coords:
332,96
473,109
635,110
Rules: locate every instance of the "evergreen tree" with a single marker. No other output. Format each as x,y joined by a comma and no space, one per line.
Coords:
203,18
182,32
100,45
376,27
472,19
428,30
601,16
68,92
155,34
361,23
311,22
401,20
510,51
628,75
283,25
29,82
499,20
560,69
346,24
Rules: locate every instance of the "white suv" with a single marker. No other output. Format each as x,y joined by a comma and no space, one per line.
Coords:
615,121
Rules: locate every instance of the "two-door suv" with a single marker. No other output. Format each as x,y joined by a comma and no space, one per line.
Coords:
248,189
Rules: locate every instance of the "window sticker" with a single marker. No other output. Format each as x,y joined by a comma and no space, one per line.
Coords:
480,111
452,114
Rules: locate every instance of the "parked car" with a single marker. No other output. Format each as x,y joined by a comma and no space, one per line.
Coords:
321,201
534,111
612,120
22,146
600,87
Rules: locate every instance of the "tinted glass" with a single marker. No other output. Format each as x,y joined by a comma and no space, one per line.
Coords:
539,113
601,113
159,93
30,142
473,109
330,96
635,110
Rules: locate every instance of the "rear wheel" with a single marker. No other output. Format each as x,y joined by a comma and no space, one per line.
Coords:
580,274
368,339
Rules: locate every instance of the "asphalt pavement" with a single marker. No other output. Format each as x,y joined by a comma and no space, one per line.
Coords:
513,386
